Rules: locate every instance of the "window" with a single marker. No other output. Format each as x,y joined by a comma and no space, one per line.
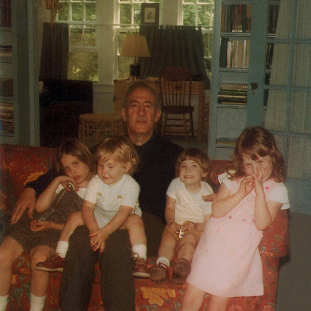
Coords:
129,21
83,57
201,13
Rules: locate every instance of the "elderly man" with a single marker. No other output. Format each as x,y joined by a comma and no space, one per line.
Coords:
156,169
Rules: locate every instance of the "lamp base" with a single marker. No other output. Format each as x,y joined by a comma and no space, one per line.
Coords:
135,71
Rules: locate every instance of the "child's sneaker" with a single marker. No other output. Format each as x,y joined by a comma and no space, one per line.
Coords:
159,272
181,270
54,264
140,269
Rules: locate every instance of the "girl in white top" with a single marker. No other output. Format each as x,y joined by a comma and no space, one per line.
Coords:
186,214
226,262
111,200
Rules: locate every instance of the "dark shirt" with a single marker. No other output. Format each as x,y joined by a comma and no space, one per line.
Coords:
155,172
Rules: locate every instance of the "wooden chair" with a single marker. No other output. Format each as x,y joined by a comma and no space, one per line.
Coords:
175,95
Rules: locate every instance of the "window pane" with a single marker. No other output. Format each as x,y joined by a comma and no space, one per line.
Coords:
90,12
89,39
137,13
188,15
204,15
83,66
62,12
77,12
125,14
76,36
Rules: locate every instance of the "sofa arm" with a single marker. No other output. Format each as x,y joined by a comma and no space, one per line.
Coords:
275,241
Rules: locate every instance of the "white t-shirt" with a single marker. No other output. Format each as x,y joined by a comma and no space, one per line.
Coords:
189,206
109,198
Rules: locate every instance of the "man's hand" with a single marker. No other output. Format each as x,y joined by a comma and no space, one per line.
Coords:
27,200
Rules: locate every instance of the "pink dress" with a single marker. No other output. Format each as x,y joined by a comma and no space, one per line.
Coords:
226,262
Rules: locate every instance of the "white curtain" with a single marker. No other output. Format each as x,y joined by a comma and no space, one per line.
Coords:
289,109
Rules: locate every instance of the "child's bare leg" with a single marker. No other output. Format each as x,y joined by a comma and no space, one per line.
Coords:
135,226
193,298
159,272
218,303
73,221
187,246
167,247
56,261
39,279
10,250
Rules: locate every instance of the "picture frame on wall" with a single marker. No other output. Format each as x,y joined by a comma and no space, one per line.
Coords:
150,13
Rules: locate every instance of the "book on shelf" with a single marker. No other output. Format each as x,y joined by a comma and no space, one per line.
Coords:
234,53
233,86
233,93
226,142
232,102
236,18
232,97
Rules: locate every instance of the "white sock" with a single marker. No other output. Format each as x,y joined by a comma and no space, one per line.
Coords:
61,248
163,260
36,302
3,302
140,250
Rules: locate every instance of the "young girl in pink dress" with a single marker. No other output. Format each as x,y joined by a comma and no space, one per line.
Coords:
226,262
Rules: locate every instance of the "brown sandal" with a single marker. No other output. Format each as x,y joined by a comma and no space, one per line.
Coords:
159,272
181,270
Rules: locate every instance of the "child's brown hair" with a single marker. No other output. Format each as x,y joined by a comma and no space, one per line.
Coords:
120,148
78,149
257,142
196,155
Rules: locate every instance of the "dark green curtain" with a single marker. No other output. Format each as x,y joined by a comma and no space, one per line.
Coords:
174,46
54,55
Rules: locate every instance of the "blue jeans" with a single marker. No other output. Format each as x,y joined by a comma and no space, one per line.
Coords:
117,282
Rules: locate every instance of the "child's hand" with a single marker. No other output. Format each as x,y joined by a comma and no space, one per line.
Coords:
189,226
37,226
209,197
173,227
260,176
247,185
64,180
98,240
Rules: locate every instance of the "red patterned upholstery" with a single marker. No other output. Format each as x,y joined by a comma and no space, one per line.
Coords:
20,164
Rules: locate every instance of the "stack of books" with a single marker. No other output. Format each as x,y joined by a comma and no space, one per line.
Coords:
233,94
236,18
6,118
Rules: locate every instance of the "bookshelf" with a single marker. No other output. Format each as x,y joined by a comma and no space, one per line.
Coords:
241,66
6,86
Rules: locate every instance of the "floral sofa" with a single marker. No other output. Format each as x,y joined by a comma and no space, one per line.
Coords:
20,164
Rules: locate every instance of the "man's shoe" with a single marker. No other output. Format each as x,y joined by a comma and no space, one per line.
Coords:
181,270
140,269
159,272
54,264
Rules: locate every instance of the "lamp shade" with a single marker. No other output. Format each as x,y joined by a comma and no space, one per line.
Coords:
135,46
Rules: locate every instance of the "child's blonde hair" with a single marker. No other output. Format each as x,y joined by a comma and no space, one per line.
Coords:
120,149
76,148
196,155
257,142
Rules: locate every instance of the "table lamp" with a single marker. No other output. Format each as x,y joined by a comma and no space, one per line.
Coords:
135,46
